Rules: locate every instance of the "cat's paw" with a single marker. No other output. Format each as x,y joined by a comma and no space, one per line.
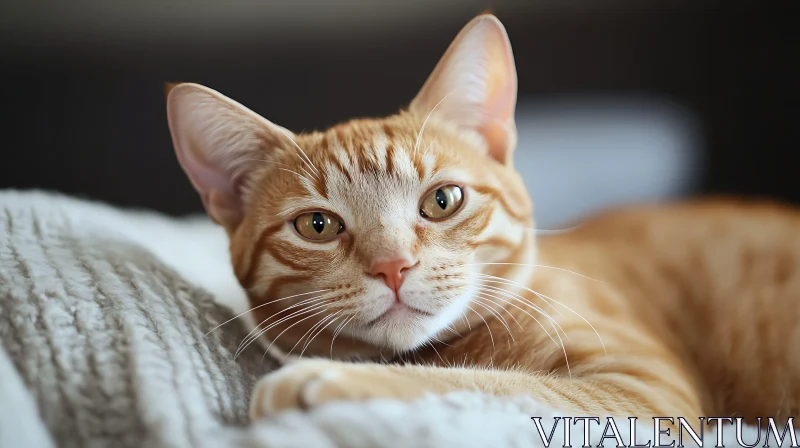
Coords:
308,383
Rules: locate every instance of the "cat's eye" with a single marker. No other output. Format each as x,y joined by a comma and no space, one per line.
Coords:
442,202
318,226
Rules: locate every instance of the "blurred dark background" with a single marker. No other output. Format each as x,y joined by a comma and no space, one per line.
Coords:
83,102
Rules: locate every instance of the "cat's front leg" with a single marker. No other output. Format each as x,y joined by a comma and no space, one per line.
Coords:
308,383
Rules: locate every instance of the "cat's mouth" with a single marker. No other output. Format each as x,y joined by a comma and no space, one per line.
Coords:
398,310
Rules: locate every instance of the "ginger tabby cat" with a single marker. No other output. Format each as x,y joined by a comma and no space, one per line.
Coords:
410,238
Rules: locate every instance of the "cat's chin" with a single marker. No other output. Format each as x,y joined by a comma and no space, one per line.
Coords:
404,327
399,329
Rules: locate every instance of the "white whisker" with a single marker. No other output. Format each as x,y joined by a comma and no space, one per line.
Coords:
263,304
538,266
301,303
577,314
303,178
422,129
490,297
265,161
466,320
502,281
502,319
313,327
324,310
286,168
554,231
307,160
529,303
339,330
452,329
487,324
434,338
531,316
545,297
428,148
561,345
311,339
304,310
437,352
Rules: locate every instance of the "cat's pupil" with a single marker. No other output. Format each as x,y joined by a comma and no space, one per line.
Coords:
318,222
441,199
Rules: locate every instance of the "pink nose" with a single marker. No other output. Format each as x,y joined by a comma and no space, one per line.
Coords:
392,271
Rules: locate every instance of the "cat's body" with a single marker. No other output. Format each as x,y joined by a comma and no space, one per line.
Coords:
411,238
701,297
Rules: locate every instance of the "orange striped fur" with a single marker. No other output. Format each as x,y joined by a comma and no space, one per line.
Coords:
674,310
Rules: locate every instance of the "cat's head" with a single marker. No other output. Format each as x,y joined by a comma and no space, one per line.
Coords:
383,232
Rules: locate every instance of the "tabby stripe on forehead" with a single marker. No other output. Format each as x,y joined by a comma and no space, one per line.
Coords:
388,131
341,136
324,144
354,159
390,159
246,278
497,195
379,154
338,165
369,162
346,143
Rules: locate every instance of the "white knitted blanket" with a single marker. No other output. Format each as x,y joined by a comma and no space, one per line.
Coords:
103,316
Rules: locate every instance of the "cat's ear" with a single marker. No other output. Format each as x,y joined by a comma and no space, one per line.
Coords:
474,86
221,145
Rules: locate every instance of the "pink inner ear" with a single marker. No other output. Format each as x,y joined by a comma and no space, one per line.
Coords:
500,103
214,138
217,192
479,68
204,176
215,186
209,179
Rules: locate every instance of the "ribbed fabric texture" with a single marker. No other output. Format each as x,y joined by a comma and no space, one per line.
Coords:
109,340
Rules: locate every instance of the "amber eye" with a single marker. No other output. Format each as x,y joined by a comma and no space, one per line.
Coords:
442,202
318,226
